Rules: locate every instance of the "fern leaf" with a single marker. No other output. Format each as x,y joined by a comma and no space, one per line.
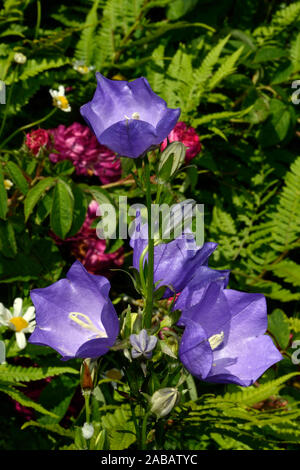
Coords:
26,374
24,400
54,427
286,218
252,395
85,47
227,68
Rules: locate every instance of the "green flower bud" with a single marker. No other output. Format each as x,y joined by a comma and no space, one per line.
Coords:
164,400
170,161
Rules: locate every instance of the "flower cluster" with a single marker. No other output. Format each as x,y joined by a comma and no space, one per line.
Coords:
188,136
224,330
87,248
223,336
79,145
37,139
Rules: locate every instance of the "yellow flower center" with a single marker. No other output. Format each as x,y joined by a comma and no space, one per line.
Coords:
19,323
82,69
61,102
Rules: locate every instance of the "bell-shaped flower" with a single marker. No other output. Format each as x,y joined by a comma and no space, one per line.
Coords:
128,117
176,262
224,340
75,316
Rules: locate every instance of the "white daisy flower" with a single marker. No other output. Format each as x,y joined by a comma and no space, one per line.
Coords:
18,321
20,58
80,67
59,99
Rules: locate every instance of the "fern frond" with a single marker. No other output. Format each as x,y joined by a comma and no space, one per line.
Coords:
227,68
251,395
26,374
85,47
286,219
34,67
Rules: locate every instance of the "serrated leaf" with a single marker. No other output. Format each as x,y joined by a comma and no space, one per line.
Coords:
27,374
54,427
35,193
17,176
24,400
61,216
121,430
278,326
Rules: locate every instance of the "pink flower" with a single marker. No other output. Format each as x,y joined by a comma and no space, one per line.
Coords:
37,139
78,144
186,135
86,247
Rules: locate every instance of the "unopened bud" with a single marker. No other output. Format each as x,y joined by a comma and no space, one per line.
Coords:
87,430
171,160
142,344
88,374
164,400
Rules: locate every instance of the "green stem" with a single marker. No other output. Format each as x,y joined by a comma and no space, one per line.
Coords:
149,292
38,20
23,128
87,407
144,431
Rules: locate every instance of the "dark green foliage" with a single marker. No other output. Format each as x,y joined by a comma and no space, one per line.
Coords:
229,66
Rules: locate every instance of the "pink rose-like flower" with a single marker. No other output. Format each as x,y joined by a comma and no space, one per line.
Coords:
37,139
186,135
78,144
86,247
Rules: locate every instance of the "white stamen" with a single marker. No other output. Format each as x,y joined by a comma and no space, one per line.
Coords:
216,340
87,324
133,116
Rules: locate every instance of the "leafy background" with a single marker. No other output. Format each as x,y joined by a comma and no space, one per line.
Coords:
230,67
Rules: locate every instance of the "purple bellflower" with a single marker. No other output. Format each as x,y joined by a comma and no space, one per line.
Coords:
176,262
75,316
224,339
128,117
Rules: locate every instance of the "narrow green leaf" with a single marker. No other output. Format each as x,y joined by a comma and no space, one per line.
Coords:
3,197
